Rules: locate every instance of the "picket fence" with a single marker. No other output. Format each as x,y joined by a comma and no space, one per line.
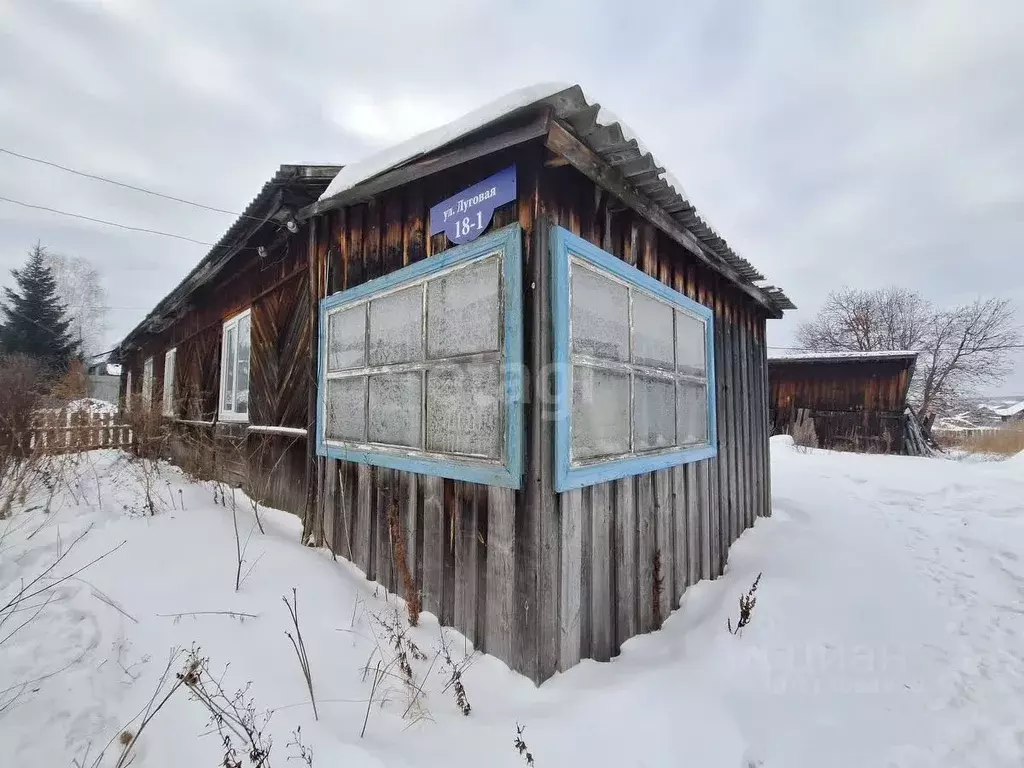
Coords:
69,432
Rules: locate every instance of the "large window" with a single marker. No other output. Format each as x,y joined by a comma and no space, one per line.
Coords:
634,369
170,358
147,383
234,369
421,369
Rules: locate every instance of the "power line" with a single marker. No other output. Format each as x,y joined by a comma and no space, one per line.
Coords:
125,185
103,221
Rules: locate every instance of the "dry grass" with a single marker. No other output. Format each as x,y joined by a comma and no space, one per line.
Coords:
1007,441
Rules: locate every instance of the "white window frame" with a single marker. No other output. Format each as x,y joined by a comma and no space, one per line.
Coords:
229,324
147,383
128,392
170,360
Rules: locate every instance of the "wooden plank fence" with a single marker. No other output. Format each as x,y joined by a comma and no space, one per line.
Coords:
68,432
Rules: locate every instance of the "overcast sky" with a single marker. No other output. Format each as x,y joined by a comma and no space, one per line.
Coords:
831,143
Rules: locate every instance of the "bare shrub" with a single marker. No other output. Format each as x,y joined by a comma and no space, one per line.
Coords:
747,603
803,432
455,683
22,391
397,652
150,438
300,647
240,726
520,745
300,751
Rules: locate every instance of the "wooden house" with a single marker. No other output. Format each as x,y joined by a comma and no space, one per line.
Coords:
857,400
504,365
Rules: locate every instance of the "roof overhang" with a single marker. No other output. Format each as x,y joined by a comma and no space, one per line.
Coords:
280,199
590,139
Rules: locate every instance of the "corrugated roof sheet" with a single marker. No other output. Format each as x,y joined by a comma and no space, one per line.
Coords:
260,208
604,134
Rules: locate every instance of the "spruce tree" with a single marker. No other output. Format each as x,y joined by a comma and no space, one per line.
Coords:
35,323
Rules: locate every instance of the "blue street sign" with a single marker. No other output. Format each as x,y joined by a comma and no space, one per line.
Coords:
465,216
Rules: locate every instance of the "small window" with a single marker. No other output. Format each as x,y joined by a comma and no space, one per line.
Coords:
234,369
169,405
147,383
634,369
128,392
421,370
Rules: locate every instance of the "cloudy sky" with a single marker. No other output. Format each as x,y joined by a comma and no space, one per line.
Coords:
831,143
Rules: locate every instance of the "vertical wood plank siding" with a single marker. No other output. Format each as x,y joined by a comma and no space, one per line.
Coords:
536,578
686,516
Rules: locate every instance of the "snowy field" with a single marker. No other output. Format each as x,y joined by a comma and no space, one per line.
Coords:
888,631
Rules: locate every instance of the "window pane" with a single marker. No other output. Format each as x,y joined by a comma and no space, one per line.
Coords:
654,413
346,409
600,412
242,368
147,381
464,409
652,332
346,339
600,315
169,360
395,409
692,413
463,311
690,344
228,374
395,323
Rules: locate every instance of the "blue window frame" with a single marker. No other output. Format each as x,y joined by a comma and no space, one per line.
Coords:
421,370
634,369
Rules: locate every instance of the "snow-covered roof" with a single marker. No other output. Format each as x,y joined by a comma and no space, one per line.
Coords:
598,128
827,357
376,164
1010,410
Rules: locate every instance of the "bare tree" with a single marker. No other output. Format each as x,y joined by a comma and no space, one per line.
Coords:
961,348
80,288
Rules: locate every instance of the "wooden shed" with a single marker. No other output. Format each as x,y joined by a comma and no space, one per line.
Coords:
856,400
504,365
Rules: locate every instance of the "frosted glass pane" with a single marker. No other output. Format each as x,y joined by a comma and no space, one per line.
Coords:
242,368
395,323
395,409
692,413
228,374
463,310
652,332
600,412
600,315
346,409
464,409
654,413
346,339
690,345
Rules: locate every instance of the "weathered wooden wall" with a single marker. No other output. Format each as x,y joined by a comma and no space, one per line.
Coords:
855,404
458,536
627,549
535,578
272,468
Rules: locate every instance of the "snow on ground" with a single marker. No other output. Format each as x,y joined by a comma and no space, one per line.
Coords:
888,631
